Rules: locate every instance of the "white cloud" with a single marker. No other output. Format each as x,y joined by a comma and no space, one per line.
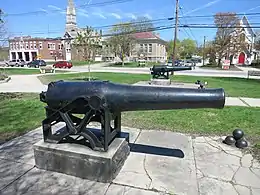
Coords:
54,7
83,12
202,7
254,8
43,10
148,16
117,16
61,11
130,15
99,14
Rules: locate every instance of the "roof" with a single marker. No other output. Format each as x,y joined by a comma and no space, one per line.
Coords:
148,36
246,22
145,35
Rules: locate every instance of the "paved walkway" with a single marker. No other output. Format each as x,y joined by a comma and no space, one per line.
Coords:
156,166
23,83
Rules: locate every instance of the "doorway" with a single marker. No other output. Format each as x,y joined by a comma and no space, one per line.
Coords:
241,58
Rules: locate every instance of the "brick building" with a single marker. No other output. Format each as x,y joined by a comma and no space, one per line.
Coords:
28,49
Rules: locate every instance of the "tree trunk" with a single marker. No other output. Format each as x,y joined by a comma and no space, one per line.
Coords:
122,58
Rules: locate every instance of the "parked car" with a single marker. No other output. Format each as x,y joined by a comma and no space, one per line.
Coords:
189,63
36,63
17,63
62,64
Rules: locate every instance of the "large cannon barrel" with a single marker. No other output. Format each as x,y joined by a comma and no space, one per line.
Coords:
165,68
122,97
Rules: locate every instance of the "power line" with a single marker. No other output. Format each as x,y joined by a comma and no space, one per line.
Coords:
186,23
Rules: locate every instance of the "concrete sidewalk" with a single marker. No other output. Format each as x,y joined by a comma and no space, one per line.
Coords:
160,162
242,101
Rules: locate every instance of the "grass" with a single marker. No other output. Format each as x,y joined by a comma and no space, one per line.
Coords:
234,87
198,121
23,71
133,64
19,113
114,77
77,63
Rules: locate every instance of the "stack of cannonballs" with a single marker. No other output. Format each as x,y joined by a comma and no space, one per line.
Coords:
237,139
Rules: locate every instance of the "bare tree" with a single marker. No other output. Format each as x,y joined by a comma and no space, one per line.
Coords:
87,43
3,38
122,40
257,41
229,37
142,24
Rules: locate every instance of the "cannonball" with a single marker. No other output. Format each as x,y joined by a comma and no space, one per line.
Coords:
229,140
241,143
238,134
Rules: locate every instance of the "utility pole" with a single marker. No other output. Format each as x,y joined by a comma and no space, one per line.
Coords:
1,13
204,43
175,33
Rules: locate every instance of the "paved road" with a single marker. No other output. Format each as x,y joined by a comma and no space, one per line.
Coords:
196,72
161,162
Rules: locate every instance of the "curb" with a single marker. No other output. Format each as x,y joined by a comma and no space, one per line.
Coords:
5,80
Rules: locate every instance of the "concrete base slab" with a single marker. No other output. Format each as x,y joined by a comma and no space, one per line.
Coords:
42,182
160,82
9,171
125,190
81,161
172,84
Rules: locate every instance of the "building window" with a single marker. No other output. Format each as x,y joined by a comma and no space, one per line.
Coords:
59,46
53,46
51,53
40,45
49,46
150,48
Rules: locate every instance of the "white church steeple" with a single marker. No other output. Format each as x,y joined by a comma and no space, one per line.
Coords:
71,22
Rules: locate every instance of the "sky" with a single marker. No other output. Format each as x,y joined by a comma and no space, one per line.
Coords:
46,18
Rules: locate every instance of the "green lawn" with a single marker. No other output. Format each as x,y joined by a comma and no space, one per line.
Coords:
77,63
234,87
20,113
197,121
23,71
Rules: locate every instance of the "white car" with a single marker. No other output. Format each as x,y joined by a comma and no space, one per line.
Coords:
17,63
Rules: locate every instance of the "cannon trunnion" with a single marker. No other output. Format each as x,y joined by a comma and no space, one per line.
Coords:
103,102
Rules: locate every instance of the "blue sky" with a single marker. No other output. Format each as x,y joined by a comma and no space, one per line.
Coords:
52,17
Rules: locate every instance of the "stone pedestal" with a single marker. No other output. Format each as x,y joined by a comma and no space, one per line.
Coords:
80,161
160,81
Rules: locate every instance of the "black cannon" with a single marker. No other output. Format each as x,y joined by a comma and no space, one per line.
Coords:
103,102
162,71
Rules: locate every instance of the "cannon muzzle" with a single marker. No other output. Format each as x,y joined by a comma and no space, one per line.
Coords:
122,97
